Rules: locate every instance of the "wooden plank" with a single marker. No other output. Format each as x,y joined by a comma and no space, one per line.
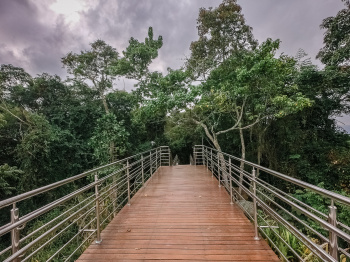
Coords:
182,214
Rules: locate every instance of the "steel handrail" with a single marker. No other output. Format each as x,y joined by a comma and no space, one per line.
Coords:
46,188
221,166
123,174
286,223
295,181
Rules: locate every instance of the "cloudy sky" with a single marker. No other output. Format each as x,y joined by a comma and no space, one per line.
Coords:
36,34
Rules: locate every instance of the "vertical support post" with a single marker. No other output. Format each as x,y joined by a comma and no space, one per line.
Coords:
219,178
207,160
195,155
15,232
114,195
97,196
203,155
230,175
211,162
156,160
128,178
256,237
333,239
159,159
142,171
150,163
169,156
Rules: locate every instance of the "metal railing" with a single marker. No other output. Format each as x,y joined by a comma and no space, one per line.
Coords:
75,210
191,161
175,161
293,227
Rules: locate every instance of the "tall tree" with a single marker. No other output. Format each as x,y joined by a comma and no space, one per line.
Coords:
138,56
102,64
247,88
94,66
222,32
336,50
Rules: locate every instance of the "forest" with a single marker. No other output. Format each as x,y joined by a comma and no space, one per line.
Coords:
232,93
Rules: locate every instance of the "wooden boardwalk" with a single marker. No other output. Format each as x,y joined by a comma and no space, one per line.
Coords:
181,214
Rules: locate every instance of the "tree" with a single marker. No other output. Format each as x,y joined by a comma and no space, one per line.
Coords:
102,64
246,89
336,51
138,56
123,106
94,66
182,134
222,32
11,77
13,117
323,157
35,153
9,177
108,130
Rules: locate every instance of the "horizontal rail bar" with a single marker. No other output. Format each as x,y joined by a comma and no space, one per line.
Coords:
276,203
322,191
46,188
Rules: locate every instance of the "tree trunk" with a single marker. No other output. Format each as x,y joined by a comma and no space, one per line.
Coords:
111,143
224,174
105,105
241,136
260,136
214,139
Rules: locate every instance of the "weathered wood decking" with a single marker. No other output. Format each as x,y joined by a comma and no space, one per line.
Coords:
181,214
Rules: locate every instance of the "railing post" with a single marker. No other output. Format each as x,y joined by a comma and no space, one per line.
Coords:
333,239
169,156
97,196
114,195
256,237
156,160
206,154
219,170
128,178
211,162
195,155
150,163
203,155
229,173
15,232
142,171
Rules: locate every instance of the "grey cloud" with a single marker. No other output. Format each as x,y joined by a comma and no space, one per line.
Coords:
295,23
29,42
175,21
33,37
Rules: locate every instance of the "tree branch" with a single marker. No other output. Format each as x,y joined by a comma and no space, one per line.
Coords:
205,129
8,111
239,118
256,121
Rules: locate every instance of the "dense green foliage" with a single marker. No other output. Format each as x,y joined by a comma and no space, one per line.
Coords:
53,129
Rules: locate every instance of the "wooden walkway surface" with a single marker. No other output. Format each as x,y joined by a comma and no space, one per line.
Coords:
181,214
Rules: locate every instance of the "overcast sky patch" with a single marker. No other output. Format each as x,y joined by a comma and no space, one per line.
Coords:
35,35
